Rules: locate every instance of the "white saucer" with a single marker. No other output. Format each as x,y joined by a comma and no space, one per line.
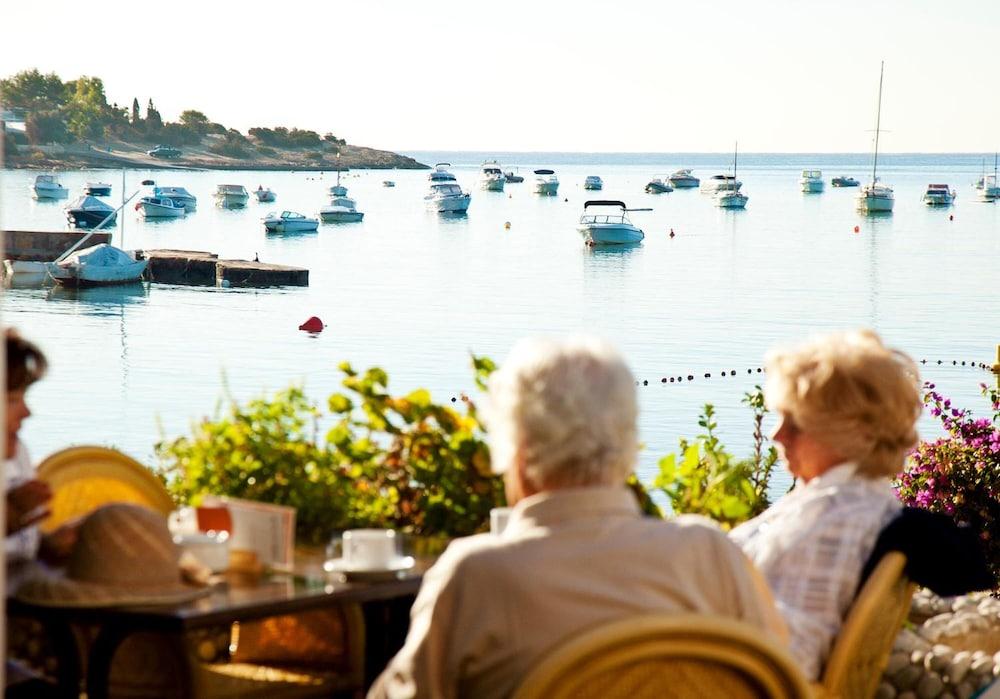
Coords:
390,572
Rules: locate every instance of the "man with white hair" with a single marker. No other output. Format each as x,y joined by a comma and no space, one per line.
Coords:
576,551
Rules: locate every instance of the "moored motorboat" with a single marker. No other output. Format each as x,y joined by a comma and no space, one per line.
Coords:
491,177
659,185
811,181
98,265
97,189
264,194
289,222
987,188
546,182
606,222
440,173
512,177
388,183
447,197
178,195
939,195
159,207
844,181
90,212
717,183
593,182
231,196
48,187
341,210
683,179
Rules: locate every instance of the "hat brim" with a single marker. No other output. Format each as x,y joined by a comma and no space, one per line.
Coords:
60,591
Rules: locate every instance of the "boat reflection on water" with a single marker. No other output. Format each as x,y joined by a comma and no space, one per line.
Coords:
612,251
453,216
101,300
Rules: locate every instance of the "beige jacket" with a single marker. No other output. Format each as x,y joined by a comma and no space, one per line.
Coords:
492,606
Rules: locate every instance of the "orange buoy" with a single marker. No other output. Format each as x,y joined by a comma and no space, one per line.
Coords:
313,325
857,229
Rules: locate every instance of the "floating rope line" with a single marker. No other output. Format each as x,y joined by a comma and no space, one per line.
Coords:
760,370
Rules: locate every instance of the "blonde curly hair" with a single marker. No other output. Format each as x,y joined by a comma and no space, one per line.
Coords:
853,393
568,408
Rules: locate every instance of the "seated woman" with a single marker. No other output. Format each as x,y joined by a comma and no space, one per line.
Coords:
576,551
848,407
27,497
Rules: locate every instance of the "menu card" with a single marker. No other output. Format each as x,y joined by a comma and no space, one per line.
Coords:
267,530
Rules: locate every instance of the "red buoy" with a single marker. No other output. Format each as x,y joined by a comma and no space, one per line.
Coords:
313,325
857,229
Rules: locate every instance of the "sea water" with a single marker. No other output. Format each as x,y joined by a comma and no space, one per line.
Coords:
416,292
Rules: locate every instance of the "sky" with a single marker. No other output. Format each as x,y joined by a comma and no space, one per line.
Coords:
545,75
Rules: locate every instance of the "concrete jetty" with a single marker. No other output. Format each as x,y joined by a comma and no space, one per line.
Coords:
197,268
45,246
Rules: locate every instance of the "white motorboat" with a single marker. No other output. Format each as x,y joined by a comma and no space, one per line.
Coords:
491,177
341,210
388,183
844,181
178,195
97,189
726,198
159,207
90,212
546,182
264,194
593,182
683,179
440,173
659,185
98,265
939,195
811,181
447,197
48,187
986,188
606,222
289,222
512,177
718,183
231,196
876,197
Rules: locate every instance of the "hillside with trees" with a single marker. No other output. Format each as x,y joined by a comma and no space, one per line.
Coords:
71,124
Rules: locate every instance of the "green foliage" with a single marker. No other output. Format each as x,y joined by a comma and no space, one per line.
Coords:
264,450
706,479
280,137
154,122
194,120
332,140
33,91
399,462
314,155
135,118
234,145
46,127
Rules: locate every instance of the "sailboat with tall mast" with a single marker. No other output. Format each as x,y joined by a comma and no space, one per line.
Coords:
876,197
987,188
732,198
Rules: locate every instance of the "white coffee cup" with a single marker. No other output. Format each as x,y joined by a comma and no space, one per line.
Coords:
498,519
370,549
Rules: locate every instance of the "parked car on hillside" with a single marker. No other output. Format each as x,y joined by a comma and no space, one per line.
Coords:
162,151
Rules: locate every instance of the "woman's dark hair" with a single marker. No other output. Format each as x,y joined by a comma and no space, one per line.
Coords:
25,362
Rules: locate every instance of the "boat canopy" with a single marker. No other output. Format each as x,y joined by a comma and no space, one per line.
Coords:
812,173
89,203
231,189
545,172
604,202
937,186
101,255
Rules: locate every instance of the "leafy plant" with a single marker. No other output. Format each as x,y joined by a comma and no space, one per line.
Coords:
959,474
704,478
265,450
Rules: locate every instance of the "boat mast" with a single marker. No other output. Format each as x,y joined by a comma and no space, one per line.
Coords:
123,210
878,121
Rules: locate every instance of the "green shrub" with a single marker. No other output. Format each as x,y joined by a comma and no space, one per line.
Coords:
706,479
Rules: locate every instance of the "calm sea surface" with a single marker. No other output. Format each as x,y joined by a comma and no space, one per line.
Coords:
415,292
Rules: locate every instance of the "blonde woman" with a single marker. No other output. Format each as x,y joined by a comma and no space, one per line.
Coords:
848,407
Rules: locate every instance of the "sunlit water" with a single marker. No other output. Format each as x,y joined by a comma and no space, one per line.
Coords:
415,292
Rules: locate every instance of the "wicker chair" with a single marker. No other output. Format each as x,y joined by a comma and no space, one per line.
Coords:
862,647
85,478
689,656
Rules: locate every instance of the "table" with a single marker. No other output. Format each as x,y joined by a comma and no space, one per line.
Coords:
385,605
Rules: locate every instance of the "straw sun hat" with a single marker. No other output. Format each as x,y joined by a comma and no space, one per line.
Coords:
124,556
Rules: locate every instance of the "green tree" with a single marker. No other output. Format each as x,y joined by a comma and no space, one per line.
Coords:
195,120
136,117
46,127
153,120
31,90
